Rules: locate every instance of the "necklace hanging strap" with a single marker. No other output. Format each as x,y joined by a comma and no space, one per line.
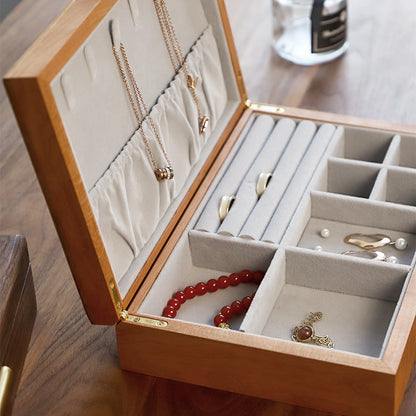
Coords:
141,112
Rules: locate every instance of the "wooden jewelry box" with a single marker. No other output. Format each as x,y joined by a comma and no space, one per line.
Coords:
132,241
17,315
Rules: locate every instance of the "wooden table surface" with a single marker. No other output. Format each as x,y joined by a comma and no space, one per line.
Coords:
72,367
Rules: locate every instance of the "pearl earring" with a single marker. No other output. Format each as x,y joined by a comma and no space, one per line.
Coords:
325,233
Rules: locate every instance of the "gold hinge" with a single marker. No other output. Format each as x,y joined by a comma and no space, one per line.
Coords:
241,86
116,296
125,316
5,385
266,108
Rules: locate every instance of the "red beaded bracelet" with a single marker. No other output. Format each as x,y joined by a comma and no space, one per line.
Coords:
227,312
234,279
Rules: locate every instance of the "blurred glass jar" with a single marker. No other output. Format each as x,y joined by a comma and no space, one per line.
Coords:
309,32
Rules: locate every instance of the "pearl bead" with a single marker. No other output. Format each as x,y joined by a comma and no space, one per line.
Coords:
400,243
318,248
392,259
325,233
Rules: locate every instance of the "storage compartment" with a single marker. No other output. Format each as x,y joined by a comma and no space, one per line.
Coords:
358,299
368,146
343,216
349,178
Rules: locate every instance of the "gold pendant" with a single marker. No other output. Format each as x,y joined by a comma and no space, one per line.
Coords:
192,82
203,124
164,173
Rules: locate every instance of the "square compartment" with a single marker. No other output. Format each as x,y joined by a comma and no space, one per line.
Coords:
366,145
349,178
358,299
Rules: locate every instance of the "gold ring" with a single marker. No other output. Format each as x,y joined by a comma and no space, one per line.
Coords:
262,182
225,206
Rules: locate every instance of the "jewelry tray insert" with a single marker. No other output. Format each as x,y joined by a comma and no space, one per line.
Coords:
343,179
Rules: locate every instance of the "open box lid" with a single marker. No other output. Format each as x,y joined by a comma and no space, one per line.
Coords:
74,115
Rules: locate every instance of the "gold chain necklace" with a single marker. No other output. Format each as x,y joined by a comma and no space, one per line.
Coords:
141,111
174,49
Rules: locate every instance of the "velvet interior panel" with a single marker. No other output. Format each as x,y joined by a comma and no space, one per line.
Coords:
118,193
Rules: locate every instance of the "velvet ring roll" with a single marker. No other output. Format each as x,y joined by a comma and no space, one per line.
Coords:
262,182
225,206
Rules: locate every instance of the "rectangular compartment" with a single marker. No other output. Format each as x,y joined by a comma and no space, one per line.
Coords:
351,178
358,299
367,146
343,216
400,187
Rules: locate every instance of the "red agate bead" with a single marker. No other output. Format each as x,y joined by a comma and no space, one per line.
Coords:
175,303
180,296
237,307
258,277
169,312
190,292
223,282
219,319
235,279
246,302
201,288
227,311
246,276
212,285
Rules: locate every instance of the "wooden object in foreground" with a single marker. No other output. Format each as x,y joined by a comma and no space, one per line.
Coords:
17,315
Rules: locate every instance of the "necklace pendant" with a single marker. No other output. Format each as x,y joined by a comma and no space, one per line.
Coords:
203,124
192,82
163,174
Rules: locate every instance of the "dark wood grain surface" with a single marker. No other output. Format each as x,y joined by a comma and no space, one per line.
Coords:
72,367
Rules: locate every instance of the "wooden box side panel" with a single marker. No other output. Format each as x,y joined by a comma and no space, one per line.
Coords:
257,372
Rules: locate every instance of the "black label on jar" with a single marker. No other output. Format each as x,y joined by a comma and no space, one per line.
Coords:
329,30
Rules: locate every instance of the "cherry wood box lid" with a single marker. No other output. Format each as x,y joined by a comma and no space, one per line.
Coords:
28,85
